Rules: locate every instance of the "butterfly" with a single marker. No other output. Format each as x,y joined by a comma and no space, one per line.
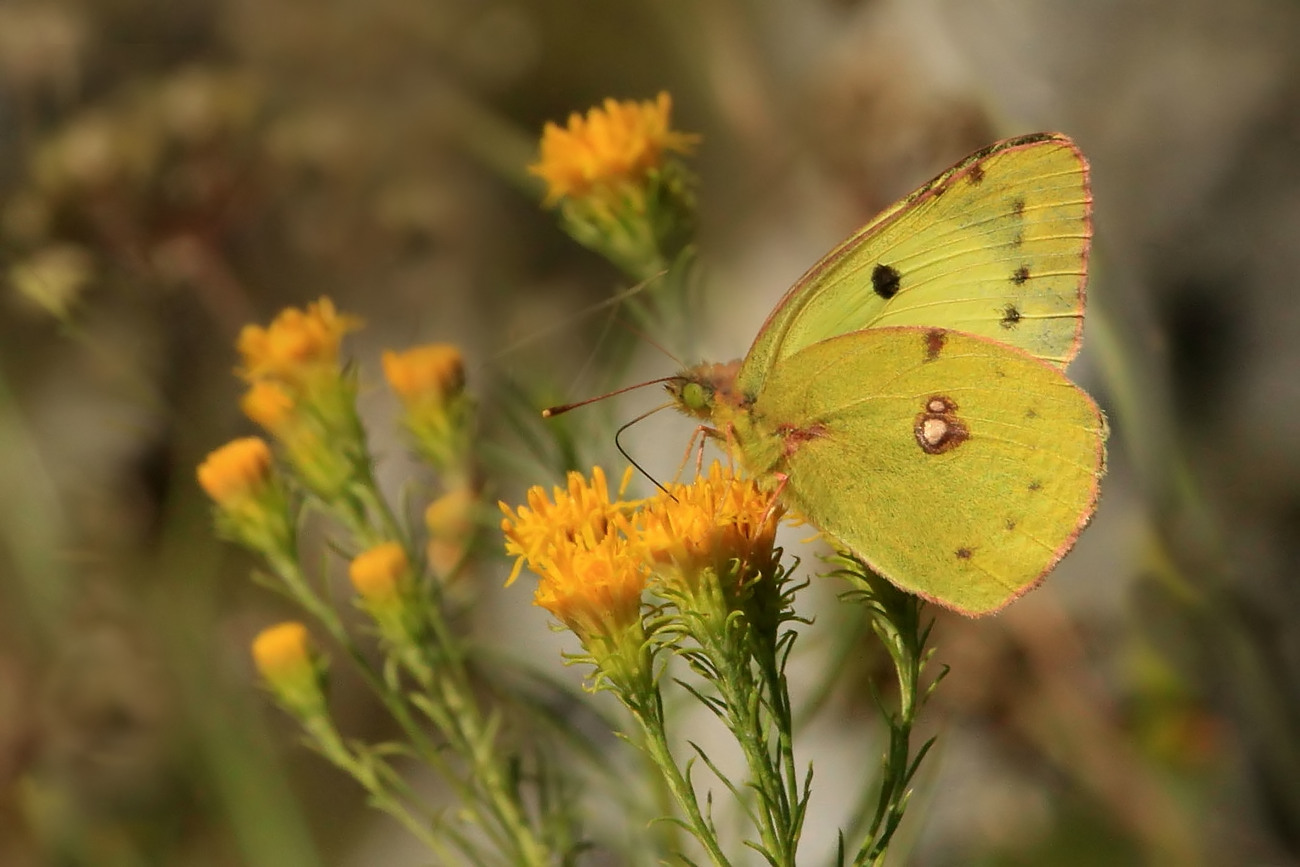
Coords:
907,396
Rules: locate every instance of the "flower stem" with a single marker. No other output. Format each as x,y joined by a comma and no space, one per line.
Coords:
649,714
896,620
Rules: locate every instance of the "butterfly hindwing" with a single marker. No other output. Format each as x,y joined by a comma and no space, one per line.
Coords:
959,468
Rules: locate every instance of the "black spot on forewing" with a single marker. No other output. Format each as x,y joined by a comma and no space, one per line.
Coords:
1021,275
976,175
963,553
884,280
1010,316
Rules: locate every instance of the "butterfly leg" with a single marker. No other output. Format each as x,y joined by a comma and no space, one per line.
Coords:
696,444
781,480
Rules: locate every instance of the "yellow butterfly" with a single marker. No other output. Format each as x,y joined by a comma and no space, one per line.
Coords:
907,395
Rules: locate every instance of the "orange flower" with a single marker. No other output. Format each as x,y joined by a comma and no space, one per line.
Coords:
425,374
715,521
269,405
592,570
287,662
236,472
301,394
581,514
296,344
450,520
381,573
706,546
613,147
430,380
596,591
282,651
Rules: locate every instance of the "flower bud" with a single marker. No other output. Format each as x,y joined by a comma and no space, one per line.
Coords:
236,472
382,574
284,656
451,524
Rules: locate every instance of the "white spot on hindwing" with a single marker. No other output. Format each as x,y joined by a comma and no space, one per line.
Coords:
937,427
933,430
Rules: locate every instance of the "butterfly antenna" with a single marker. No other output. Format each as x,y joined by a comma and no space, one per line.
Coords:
551,412
648,339
612,301
622,451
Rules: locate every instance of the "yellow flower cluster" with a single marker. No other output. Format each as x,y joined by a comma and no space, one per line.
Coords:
269,405
385,583
717,520
250,502
580,513
296,345
612,147
282,651
577,541
451,520
299,393
595,556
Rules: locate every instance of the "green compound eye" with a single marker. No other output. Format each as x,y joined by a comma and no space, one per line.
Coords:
695,397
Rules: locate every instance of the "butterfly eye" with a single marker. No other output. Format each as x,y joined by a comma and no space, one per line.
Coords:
695,396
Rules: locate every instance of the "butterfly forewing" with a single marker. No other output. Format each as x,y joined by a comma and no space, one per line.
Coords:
996,246
959,468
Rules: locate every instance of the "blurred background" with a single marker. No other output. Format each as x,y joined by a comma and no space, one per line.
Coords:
171,170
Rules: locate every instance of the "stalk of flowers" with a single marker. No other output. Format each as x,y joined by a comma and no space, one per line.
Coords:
716,562
582,546
620,191
707,550
296,674
302,393
578,541
438,415
417,640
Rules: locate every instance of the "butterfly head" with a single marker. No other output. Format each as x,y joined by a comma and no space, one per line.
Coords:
698,391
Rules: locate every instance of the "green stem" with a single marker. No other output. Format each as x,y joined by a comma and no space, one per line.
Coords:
327,741
778,698
649,714
738,655
896,621
437,665
474,736
288,571
750,727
